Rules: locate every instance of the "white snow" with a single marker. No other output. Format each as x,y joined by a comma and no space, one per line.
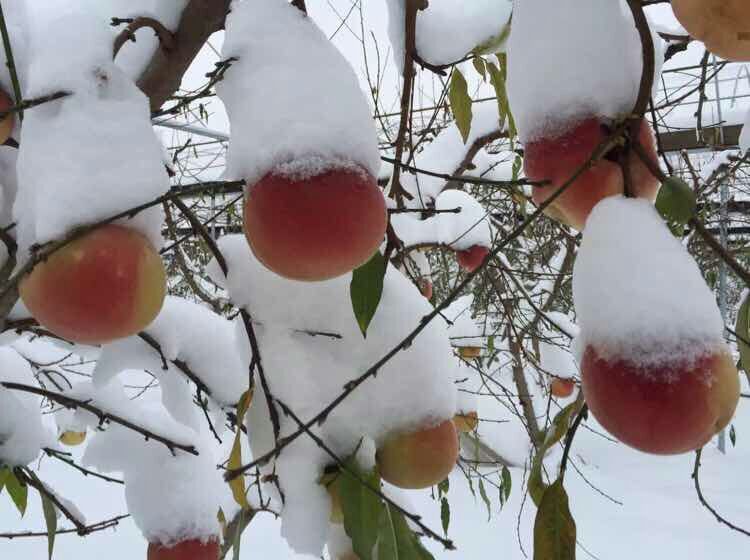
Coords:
448,30
171,498
571,59
638,294
444,155
458,230
22,434
745,136
75,165
291,96
306,372
556,360
188,332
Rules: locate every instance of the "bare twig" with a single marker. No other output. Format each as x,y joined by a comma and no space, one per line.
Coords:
103,415
702,499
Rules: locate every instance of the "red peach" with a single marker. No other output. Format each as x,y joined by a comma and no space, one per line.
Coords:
562,388
669,409
425,287
723,25
419,459
192,549
315,228
556,159
472,258
108,284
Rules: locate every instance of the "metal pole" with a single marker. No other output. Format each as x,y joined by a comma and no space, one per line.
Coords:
723,219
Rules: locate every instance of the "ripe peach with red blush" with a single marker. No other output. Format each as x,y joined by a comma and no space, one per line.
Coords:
472,258
562,388
723,25
557,158
670,408
419,459
315,227
192,549
108,284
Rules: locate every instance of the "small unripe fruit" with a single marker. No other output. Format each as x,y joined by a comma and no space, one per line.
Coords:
472,258
562,388
469,352
466,421
192,549
671,408
71,439
419,459
315,228
108,284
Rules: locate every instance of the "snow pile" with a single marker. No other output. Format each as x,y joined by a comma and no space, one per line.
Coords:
171,497
311,347
593,69
745,136
134,56
191,334
416,266
448,30
22,434
291,96
555,359
638,294
463,329
458,230
76,161
444,155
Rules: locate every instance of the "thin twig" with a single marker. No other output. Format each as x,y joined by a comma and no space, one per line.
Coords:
702,499
103,415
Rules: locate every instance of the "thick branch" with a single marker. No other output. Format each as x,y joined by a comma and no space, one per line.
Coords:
163,75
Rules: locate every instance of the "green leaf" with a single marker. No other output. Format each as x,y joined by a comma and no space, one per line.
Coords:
480,67
507,482
554,527
497,79
237,537
445,514
732,435
237,485
396,541
50,518
19,493
555,433
443,486
742,328
496,43
485,499
362,508
4,474
676,201
458,95
366,290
